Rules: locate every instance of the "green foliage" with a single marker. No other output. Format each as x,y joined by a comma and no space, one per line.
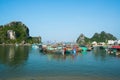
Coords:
32,40
21,33
102,37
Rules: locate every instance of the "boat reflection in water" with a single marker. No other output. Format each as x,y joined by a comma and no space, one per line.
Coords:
60,57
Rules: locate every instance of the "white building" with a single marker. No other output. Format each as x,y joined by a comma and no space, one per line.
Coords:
111,42
118,41
94,43
102,43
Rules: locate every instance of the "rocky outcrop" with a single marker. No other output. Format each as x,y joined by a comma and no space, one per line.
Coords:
15,32
103,37
81,39
98,37
11,34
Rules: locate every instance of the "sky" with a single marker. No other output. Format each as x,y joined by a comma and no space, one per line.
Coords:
63,20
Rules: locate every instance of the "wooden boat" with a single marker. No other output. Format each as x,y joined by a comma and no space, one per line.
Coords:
35,46
115,50
63,49
111,51
52,49
117,47
84,48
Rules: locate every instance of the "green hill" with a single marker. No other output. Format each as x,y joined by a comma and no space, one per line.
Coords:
16,32
98,37
103,37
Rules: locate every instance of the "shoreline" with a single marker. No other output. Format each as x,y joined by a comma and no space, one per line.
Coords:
15,44
61,78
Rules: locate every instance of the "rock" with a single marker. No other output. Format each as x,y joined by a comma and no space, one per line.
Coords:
16,32
98,37
11,34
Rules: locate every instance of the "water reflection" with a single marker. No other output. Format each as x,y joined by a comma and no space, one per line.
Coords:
96,53
61,57
13,56
99,53
23,61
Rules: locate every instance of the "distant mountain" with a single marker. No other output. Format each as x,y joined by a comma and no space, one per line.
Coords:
16,32
102,37
82,39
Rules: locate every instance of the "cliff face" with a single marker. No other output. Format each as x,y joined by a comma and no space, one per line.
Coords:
81,39
11,34
102,37
14,32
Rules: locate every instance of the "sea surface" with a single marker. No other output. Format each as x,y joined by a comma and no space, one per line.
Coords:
27,63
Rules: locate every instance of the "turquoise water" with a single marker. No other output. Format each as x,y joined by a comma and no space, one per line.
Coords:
25,63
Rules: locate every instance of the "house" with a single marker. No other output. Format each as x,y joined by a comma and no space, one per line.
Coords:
94,43
111,42
102,43
119,42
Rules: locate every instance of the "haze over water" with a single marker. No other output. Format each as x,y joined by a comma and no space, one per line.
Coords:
26,63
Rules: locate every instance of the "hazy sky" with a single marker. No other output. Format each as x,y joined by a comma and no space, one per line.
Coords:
63,20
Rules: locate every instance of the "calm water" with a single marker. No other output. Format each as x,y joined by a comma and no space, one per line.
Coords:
25,63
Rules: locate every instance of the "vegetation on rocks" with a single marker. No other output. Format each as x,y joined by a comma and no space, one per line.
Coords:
21,34
98,37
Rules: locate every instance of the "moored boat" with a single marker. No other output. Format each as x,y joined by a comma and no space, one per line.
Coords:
114,50
35,46
84,48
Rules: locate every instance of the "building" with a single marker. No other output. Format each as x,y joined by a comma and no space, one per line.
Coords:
102,43
119,42
111,42
94,43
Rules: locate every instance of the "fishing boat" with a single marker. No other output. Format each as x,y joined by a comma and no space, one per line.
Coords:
111,51
35,46
116,47
84,48
114,50
70,49
52,49
60,48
